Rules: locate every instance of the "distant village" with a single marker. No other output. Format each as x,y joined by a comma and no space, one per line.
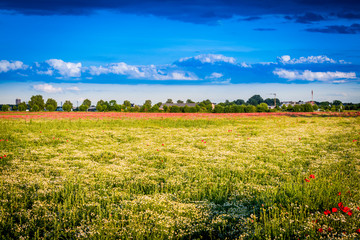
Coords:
254,104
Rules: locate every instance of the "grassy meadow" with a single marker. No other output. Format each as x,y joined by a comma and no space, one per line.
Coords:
260,177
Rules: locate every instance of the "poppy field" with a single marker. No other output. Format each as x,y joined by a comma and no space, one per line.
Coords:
265,176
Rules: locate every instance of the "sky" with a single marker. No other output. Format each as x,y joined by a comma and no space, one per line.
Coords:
215,49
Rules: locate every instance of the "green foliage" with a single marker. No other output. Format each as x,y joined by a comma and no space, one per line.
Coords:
38,101
262,107
174,109
35,108
189,101
180,101
87,102
83,108
270,101
255,100
22,106
51,104
5,108
169,100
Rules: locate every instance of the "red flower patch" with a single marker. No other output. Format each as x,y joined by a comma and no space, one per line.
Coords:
312,176
334,209
320,230
327,212
307,180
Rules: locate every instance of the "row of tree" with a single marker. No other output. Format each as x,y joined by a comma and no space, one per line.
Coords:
254,104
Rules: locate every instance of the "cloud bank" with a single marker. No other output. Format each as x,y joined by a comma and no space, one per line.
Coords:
197,70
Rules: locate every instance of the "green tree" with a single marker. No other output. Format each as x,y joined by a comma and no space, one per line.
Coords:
270,101
112,104
87,102
51,104
99,108
83,107
337,102
5,108
315,107
14,108
50,108
255,100
35,108
38,101
239,102
174,109
218,109
22,106
308,107
67,106
250,109
262,107
169,100
189,101
180,101
155,108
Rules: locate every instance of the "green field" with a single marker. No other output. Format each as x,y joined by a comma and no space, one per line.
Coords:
174,178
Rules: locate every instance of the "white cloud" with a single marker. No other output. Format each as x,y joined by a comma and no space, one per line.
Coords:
66,69
210,58
286,59
47,88
47,72
312,76
73,88
141,72
245,65
6,66
215,75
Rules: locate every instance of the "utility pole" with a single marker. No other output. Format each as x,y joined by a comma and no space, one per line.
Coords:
274,98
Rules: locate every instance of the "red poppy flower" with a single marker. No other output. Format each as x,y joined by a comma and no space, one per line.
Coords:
307,180
345,209
329,229
340,205
334,209
157,149
358,208
299,138
312,176
320,230
349,213
358,231
354,140
4,155
327,212
339,193
162,144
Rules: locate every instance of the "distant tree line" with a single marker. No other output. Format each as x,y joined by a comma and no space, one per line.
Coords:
254,104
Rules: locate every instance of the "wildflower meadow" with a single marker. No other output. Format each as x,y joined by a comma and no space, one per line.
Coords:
179,176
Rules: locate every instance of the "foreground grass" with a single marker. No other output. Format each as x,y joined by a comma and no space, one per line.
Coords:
180,179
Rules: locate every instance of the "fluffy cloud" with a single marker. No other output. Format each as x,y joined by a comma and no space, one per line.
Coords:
66,69
215,75
312,76
47,88
210,58
150,72
6,66
286,59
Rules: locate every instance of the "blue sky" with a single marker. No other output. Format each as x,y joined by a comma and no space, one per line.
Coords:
196,49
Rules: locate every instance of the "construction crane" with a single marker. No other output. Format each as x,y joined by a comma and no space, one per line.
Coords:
274,98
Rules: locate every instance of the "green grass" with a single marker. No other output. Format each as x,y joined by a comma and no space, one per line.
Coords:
158,179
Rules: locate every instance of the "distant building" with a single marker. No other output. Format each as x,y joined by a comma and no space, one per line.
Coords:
17,101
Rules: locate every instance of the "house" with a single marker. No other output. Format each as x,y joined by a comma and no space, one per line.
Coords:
92,109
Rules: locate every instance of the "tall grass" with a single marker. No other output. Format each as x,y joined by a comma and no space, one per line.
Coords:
246,178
